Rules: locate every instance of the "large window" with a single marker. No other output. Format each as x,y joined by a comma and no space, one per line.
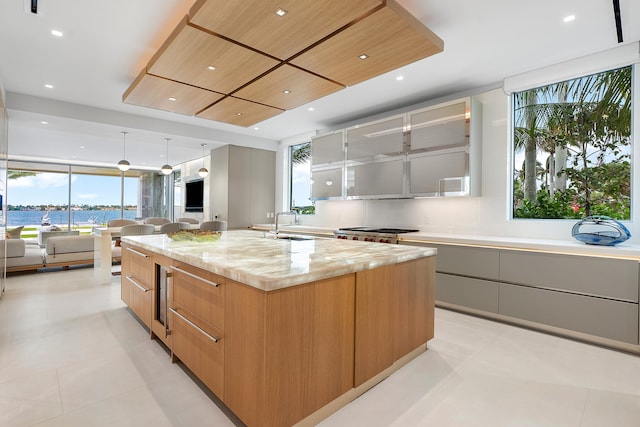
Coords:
300,184
76,197
572,148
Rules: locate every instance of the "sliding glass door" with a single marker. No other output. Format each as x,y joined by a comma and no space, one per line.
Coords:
80,197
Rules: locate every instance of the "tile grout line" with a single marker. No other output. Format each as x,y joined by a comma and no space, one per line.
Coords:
584,409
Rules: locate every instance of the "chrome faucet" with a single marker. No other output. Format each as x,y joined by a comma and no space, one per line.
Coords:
295,220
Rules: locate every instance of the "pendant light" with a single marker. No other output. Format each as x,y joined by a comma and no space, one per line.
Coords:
123,164
167,169
203,171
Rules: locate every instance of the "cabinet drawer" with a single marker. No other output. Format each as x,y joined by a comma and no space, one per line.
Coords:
140,299
138,263
604,277
616,320
199,293
202,351
467,292
468,261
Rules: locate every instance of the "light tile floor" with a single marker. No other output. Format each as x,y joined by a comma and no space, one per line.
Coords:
72,355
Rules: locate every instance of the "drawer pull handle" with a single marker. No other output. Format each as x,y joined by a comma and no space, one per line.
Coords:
208,282
137,285
138,253
214,339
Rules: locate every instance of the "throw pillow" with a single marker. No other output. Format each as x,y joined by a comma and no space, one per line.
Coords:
15,232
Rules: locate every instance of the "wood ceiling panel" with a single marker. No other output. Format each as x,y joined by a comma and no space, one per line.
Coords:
303,87
154,92
188,53
391,37
255,24
239,112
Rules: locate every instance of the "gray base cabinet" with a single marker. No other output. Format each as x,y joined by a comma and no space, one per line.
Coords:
590,295
586,275
468,292
601,317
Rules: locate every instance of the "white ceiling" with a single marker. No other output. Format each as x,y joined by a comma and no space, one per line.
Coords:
107,43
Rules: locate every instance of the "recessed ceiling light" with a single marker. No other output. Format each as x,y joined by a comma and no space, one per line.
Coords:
82,146
280,12
311,109
256,128
57,33
172,99
569,18
238,114
363,56
286,91
211,68
48,86
400,78
44,123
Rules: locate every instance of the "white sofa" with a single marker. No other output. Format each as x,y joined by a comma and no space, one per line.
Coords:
43,235
21,256
63,251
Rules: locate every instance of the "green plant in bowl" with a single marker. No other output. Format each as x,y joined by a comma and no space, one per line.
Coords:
200,236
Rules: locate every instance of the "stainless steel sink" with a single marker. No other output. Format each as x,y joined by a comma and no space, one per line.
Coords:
294,238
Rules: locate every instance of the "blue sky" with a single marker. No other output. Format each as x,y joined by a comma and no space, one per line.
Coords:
52,188
301,181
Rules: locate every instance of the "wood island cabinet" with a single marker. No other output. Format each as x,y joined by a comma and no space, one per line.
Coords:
196,319
290,351
414,305
393,304
137,290
276,357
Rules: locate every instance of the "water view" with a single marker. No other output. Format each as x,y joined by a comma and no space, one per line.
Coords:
83,217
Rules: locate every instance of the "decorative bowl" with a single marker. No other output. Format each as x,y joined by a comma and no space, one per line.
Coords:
600,230
200,236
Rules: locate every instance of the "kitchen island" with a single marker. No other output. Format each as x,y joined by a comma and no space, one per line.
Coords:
282,331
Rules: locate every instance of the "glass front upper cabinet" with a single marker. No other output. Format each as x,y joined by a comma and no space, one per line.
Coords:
438,155
327,161
376,140
430,152
440,127
327,149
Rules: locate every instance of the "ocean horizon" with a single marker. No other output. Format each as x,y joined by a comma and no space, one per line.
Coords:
17,218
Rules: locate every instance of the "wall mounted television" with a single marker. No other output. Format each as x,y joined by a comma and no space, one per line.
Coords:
194,196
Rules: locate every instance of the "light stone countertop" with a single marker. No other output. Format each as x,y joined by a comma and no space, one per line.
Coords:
269,264
571,247
561,246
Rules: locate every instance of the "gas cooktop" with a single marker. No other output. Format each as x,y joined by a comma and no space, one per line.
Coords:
388,230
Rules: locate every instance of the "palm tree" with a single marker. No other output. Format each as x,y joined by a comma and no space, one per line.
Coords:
526,138
581,115
15,174
301,153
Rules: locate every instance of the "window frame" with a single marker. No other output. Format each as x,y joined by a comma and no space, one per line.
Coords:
302,210
634,199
